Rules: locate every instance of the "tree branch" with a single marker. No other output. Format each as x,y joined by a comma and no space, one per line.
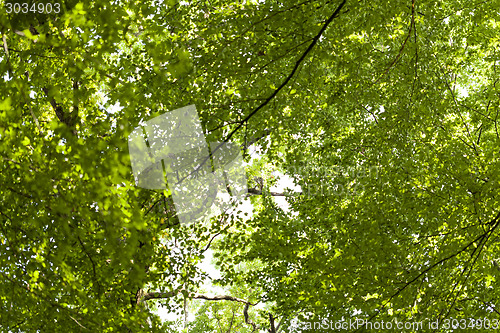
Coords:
93,265
279,324
277,90
161,295
76,321
68,118
271,321
186,314
255,191
488,304
495,222
210,242
157,295
221,298
231,323
403,45
292,73
248,320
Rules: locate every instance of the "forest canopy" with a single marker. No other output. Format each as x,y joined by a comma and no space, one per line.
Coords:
383,114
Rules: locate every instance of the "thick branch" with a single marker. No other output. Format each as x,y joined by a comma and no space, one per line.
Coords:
247,318
255,191
68,118
271,321
277,90
210,242
221,298
159,295
76,321
292,73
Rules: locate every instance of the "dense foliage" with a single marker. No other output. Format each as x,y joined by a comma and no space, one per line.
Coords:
384,113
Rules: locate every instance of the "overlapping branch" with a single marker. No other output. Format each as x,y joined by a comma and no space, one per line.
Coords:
162,295
278,89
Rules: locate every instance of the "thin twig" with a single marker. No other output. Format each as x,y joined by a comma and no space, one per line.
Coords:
76,321
403,45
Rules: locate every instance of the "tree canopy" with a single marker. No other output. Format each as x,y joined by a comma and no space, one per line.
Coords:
383,113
